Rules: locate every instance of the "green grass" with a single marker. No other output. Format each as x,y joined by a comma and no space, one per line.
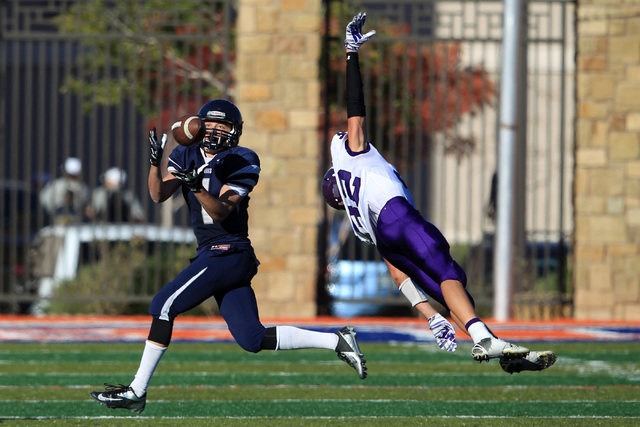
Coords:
594,384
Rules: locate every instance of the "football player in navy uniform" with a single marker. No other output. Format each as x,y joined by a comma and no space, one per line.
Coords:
382,212
216,177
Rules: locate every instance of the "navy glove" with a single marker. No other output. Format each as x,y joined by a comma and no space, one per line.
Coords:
192,179
157,147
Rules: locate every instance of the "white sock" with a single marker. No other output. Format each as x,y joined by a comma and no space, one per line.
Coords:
150,358
478,331
292,338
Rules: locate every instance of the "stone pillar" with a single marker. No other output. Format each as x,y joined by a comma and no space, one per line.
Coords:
607,178
278,93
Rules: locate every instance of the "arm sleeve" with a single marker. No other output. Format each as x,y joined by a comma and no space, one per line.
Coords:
355,93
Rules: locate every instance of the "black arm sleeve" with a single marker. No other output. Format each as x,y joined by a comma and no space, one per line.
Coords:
355,94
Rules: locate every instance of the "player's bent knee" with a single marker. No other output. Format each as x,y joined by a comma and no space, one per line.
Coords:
155,308
251,346
250,341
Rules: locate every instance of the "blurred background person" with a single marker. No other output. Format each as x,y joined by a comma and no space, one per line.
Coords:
65,198
111,202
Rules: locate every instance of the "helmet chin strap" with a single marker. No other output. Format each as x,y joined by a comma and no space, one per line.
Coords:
213,141
220,139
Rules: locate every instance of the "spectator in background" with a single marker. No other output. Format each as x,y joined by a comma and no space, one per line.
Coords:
66,197
111,202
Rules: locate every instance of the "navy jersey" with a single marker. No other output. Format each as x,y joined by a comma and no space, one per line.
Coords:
238,167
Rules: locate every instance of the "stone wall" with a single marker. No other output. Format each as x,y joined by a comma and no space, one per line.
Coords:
607,175
278,92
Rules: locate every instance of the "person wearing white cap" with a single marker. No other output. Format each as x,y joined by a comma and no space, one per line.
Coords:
111,202
66,197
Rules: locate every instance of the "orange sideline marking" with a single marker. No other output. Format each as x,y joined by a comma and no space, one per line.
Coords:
106,328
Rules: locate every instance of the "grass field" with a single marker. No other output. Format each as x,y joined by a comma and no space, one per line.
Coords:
196,384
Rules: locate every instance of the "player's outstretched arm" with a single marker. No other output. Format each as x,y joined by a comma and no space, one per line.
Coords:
356,111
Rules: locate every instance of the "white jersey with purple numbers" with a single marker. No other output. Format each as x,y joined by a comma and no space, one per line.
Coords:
366,182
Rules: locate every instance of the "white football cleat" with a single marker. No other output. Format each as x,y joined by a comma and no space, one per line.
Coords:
535,361
120,396
493,348
349,351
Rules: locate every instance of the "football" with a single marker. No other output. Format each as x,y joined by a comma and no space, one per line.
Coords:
188,130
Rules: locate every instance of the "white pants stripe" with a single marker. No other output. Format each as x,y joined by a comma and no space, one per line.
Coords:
164,314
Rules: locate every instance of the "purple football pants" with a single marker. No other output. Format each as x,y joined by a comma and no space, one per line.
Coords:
416,247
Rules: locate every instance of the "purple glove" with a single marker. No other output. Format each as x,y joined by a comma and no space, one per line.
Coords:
443,332
354,37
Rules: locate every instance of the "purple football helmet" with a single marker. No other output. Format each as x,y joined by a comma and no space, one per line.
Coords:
330,190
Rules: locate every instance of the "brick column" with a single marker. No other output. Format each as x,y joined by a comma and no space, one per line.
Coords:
278,92
607,179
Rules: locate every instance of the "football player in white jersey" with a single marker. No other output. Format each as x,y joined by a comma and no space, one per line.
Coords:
382,212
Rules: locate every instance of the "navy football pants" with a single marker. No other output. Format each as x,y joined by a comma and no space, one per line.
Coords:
225,275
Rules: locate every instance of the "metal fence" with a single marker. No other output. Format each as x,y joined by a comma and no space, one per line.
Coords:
87,80
431,79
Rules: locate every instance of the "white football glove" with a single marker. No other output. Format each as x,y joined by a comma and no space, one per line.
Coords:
355,38
443,332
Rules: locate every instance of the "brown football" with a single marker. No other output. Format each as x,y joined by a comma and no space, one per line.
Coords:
188,130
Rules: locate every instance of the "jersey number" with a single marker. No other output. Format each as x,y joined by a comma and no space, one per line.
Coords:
351,189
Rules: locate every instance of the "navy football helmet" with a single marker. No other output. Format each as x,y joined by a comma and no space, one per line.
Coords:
330,190
221,110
